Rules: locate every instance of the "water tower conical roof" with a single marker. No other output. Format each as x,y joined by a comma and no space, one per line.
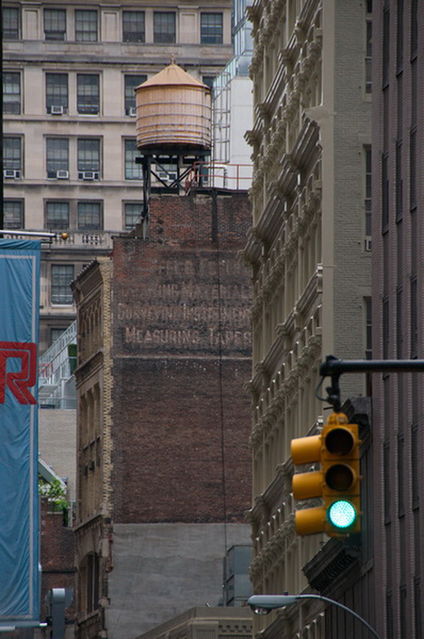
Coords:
172,75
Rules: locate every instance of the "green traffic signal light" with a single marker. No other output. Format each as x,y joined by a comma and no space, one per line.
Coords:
341,514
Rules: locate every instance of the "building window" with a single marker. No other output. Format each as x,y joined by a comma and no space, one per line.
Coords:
413,168
89,216
12,159
54,24
56,93
88,93
368,191
57,215
11,92
368,327
11,23
414,316
414,28
131,82
399,36
164,27
386,327
13,214
211,28
57,154
88,157
86,25
209,80
132,170
132,214
368,55
386,46
399,182
92,582
61,277
385,192
133,26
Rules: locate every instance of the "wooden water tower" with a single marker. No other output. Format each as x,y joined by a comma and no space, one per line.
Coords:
173,120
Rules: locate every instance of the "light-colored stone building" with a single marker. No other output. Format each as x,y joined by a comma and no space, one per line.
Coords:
69,119
309,248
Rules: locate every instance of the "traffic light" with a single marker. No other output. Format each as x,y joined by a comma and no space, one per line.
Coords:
337,449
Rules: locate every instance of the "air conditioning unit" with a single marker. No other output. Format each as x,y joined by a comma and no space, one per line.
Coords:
56,110
11,173
367,244
62,174
132,111
88,175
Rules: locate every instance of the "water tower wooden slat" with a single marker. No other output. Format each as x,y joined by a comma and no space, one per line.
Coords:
173,114
173,122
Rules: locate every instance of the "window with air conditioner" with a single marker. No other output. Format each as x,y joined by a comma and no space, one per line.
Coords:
57,215
131,82
57,157
86,25
88,154
11,92
88,93
12,157
13,211
132,170
55,24
57,93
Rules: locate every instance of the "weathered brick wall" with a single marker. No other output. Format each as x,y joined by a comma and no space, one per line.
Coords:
57,556
181,334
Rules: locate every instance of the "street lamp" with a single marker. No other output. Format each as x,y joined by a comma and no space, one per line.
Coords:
263,604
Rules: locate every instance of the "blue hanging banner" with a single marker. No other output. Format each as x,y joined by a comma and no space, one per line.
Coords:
19,518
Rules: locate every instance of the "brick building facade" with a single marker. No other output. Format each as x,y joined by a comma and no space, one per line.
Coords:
163,459
398,315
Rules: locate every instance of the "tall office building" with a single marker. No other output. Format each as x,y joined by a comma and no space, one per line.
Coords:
398,315
309,248
69,119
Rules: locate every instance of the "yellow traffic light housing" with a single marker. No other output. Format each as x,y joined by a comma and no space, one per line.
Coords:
337,449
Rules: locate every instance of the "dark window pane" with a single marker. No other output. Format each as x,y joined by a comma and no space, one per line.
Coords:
12,149
211,28
368,57
13,214
61,278
57,152
132,214
386,46
131,82
57,215
133,26
132,170
11,23
85,25
385,192
89,154
57,90
88,93
164,30
54,24
89,216
11,92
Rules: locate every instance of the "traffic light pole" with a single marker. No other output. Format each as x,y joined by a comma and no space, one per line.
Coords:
334,367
